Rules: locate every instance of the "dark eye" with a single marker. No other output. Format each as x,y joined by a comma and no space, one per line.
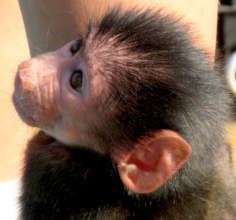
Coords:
75,47
76,80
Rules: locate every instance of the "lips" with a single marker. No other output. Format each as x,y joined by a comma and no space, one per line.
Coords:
23,103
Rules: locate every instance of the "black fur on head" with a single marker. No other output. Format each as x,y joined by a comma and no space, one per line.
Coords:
157,79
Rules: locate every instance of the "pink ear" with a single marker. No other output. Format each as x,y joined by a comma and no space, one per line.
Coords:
153,161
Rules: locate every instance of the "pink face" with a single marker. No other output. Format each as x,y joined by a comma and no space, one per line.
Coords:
57,93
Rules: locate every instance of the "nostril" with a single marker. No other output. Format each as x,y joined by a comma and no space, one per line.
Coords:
25,65
24,77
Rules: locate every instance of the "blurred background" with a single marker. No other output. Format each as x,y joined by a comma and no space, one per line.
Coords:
226,40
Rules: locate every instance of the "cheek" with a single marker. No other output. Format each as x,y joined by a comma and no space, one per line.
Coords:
76,118
70,129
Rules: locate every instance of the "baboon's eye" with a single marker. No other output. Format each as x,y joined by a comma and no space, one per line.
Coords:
75,47
76,80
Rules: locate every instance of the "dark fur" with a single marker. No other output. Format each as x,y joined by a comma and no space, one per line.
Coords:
167,83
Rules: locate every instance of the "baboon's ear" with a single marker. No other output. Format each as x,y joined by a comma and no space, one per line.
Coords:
153,161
